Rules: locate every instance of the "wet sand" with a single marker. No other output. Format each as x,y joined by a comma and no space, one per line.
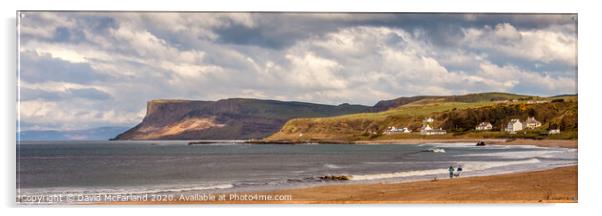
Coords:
558,185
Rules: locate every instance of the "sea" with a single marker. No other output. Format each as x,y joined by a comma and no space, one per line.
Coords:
94,168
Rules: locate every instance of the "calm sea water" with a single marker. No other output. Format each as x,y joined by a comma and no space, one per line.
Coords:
170,167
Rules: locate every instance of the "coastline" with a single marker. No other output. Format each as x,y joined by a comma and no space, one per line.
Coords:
556,185
540,143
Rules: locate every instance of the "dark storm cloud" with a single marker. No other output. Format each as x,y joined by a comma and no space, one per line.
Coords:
277,31
264,37
99,23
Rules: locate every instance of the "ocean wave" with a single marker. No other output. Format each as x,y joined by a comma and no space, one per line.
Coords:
222,144
466,166
448,144
524,154
332,166
398,174
194,188
123,190
483,165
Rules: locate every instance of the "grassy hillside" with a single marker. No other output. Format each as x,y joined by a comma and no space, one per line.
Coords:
458,115
468,98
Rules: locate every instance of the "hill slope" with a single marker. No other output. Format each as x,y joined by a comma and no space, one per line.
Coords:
459,118
467,98
225,119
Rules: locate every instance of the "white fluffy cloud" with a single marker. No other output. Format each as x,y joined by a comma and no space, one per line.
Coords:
540,45
95,69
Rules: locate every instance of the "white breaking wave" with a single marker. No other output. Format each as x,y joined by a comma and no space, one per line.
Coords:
184,189
435,150
332,166
449,144
477,165
466,166
122,191
399,174
520,154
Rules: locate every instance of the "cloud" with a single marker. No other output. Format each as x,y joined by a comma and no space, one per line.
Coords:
43,67
512,78
40,113
69,93
100,68
542,45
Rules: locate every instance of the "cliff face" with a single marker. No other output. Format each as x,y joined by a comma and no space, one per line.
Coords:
225,119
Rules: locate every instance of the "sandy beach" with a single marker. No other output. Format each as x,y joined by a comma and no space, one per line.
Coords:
558,185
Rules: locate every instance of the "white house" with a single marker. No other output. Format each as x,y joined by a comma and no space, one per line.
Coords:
428,120
484,126
536,102
428,130
514,125
439,131
395,130
554,131
531,123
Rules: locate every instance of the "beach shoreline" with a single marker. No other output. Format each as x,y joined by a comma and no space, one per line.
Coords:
540,182
540,143
556,185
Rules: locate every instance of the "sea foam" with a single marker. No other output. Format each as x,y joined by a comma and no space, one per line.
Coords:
466,166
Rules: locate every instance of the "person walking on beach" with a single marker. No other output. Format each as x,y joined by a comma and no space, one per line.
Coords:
458,171
451,172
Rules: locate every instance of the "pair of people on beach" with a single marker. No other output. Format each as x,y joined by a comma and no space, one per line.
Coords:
457,171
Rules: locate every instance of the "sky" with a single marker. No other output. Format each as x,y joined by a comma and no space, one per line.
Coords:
82,70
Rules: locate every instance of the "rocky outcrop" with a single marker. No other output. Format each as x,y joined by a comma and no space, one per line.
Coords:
235,118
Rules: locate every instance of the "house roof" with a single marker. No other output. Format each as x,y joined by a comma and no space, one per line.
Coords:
532,120
483,124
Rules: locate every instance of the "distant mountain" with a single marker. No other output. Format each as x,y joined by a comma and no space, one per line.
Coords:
235,118
101,133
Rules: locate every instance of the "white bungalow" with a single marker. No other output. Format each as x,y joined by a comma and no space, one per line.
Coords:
514,125
531,123
536,102
428,130
484,126
391,129
554,131
395,130
428,120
